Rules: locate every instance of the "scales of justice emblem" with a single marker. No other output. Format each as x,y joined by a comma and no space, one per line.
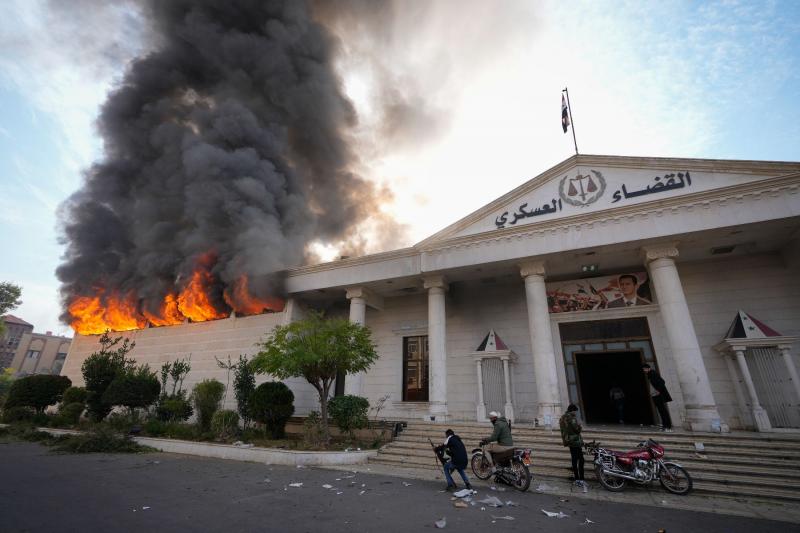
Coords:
582,190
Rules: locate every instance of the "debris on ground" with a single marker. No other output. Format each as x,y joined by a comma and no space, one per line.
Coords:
503,517
543,488
441,523
240,444
563,499
460,504
295,484
362,493
509,503
406,484
326,486
301,466
587,522
700,455
463,493
145,508
492,501
267,480
699,447
552,514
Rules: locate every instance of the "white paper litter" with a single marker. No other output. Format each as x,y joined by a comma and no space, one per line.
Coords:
509,503
543,487
338,493
295,484
441,523
300,466
551,514
362,493
699,447
492,501
503,517
587,522
463,493
145,508
326,486
406,484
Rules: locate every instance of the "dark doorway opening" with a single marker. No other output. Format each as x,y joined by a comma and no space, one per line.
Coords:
598,373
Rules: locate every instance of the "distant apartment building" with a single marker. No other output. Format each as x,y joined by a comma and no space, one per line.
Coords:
10,341
40,353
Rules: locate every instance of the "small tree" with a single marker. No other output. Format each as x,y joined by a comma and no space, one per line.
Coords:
6,379
317,348
134,388
206,397
174,406
9,299
37,391
244,384
349,413
101,368
273,406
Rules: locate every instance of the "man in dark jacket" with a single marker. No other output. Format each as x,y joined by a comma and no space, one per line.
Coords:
458,459
500,440
571,438
660,395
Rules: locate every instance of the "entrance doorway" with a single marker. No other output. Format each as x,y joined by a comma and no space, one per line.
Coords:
598,373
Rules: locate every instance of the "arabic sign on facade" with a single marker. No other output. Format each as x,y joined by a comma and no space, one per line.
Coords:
579,190
628,289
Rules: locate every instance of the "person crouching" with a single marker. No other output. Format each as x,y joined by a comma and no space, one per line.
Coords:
458,459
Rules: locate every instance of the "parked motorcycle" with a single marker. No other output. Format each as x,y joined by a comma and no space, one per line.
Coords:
512,467
642,465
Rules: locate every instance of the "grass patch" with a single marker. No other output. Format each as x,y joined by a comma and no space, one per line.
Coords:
99,439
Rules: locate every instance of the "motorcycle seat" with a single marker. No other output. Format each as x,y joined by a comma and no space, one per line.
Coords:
632,454
502,457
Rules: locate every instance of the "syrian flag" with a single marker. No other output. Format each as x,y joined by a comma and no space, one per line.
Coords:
564,113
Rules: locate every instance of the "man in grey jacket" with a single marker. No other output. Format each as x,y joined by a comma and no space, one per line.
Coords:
500,440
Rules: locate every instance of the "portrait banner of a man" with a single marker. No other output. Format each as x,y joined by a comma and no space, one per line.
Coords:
626,289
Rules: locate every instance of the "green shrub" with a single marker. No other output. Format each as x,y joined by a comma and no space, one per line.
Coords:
37,391
349,413
6,379
101,439
174,408
175,430
273,405
225,423
74,395
71,413
206,397
99,371
313,433
133,388
13,415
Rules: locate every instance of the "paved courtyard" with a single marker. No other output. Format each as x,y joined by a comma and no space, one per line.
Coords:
42,491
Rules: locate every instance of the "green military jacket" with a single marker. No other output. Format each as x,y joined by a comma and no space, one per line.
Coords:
570,430
501,433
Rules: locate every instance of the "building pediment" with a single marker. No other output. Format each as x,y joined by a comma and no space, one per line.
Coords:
593,184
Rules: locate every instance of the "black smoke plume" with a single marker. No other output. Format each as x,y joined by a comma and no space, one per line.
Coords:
230,137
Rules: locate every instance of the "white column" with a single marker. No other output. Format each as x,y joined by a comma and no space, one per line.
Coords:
354,383
698,399
759,414
746,415
544,357
437,347
481,407
790,367
509,408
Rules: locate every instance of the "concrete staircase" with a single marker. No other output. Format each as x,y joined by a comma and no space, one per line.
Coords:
744,465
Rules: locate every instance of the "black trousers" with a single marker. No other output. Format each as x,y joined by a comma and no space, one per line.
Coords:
577,461
663,412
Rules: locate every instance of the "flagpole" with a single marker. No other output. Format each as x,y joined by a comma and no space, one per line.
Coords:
571,121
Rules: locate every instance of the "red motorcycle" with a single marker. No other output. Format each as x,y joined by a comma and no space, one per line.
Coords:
642,465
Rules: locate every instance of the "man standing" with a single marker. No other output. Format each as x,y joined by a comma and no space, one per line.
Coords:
500,440
628,284
458,459
660,395
571,438
617,396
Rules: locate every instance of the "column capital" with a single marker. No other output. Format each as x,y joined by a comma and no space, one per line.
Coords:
370,298
660,251
532,268
434,282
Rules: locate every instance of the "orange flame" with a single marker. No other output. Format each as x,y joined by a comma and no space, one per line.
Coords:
168,313
93,315
240,299
193,301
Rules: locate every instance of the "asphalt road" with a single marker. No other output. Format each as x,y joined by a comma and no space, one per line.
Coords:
42,491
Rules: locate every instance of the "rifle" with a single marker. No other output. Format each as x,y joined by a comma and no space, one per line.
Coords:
439,456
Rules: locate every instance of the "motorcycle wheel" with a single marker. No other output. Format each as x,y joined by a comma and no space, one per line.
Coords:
675,479
480,466
611,483
522,476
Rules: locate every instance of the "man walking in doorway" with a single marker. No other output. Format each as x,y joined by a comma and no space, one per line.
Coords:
500,440
660,395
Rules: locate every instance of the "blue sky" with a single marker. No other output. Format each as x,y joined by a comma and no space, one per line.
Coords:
685,79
